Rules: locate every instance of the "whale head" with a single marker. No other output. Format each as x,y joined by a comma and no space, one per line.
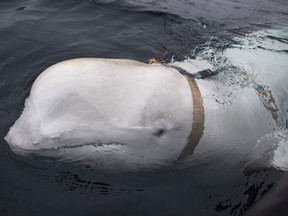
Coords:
107,113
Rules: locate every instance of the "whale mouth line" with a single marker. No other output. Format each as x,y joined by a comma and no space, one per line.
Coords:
96,145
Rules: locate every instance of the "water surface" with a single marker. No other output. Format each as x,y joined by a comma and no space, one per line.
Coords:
36,34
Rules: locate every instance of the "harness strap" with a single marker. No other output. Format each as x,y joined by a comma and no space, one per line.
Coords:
198,75
197,119
268,100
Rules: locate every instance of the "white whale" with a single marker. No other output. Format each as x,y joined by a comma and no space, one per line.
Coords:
126,115
110,112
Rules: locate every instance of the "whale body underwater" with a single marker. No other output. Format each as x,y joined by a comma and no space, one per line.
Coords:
119,114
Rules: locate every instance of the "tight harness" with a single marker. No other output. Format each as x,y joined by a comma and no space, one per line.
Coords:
198,110
197,130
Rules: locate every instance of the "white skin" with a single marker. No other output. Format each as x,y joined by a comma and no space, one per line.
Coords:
113,113
127,115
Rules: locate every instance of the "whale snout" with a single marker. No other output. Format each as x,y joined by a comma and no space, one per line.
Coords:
17,142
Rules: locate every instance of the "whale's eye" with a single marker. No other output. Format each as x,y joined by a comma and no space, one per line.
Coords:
159,132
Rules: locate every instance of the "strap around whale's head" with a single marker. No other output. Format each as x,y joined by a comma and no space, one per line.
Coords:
197,121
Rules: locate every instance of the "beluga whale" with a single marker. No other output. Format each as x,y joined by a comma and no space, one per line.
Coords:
119,114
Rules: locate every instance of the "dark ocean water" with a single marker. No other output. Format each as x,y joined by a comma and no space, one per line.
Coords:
38,33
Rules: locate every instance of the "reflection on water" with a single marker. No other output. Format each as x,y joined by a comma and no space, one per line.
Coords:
38,34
